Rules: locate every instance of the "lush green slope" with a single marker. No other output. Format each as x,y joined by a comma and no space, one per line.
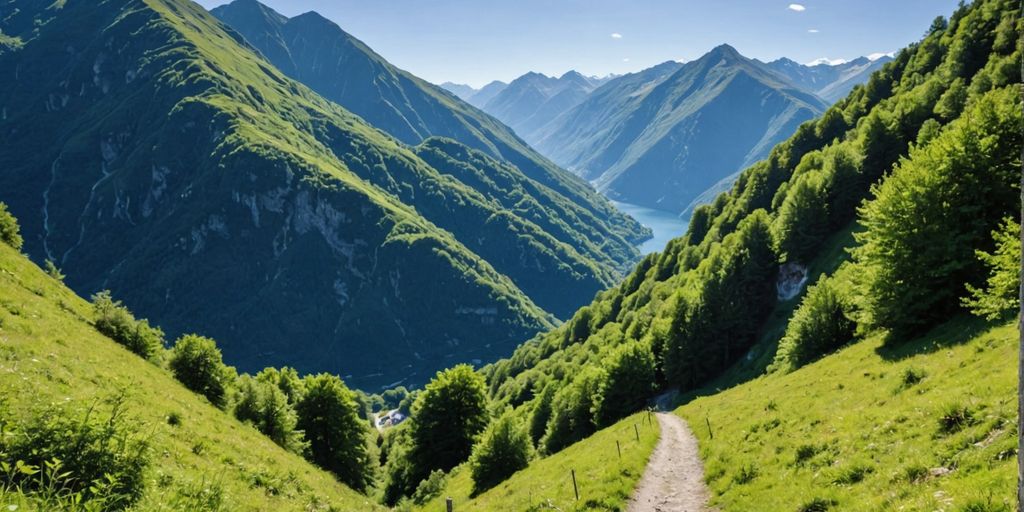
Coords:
863,429
673,138
943,118
413,110
605,481
53,356
153,153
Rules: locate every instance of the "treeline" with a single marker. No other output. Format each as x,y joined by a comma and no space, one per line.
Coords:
922,163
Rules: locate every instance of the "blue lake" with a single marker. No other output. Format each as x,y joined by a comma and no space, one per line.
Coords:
665,225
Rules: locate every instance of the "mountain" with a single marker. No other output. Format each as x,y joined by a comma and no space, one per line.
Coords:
533,100
411,109
660,137
486,93
831,82
150,151
463,91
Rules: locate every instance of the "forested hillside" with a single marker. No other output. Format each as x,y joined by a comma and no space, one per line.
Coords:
921,165
151,152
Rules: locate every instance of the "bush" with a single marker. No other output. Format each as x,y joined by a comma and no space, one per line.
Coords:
541,414
817,505
10,233
430,488
59,452
265,406
1000,298
819,326
628,385
329,416
911,377
954,417
504,449
196,362
114,321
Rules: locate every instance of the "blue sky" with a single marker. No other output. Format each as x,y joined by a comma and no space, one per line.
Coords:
476,41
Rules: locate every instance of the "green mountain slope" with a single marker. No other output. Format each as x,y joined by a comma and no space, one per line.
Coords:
152,153
912,172
863,429
53,356
318,53
674,138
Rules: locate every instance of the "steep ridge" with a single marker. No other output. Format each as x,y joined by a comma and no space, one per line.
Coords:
341,68
672,138
283,203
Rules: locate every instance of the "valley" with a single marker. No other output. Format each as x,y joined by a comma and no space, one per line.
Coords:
664,225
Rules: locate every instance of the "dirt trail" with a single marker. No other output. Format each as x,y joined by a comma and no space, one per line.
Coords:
674,478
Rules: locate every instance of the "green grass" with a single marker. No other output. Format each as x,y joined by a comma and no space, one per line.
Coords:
605,482
871,428
51,354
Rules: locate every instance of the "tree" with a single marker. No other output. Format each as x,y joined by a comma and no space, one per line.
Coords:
197,363
10,233
266,407
117,323
629,383
286,379
1000,297
447,417
573,405
930,216
802,221
541,413
820,325
504,449
329,417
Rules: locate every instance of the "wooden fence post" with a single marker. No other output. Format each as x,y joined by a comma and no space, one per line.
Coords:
711,433
448,504
637,431
574,488
619,448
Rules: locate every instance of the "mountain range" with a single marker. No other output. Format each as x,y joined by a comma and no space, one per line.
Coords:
677,161
153,151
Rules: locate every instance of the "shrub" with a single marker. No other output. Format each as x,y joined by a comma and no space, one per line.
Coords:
430,488
197,363
572,418
504,449
10,233
329,416
174,419
818,326
954,417
541,414
817,505
852,474
53,271
63,452
806,452
266,407
1000,298
910,377
746,474
117,323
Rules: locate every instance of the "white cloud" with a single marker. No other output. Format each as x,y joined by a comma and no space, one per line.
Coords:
616,35
626,59
826,60
876,56
797,7
813,30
